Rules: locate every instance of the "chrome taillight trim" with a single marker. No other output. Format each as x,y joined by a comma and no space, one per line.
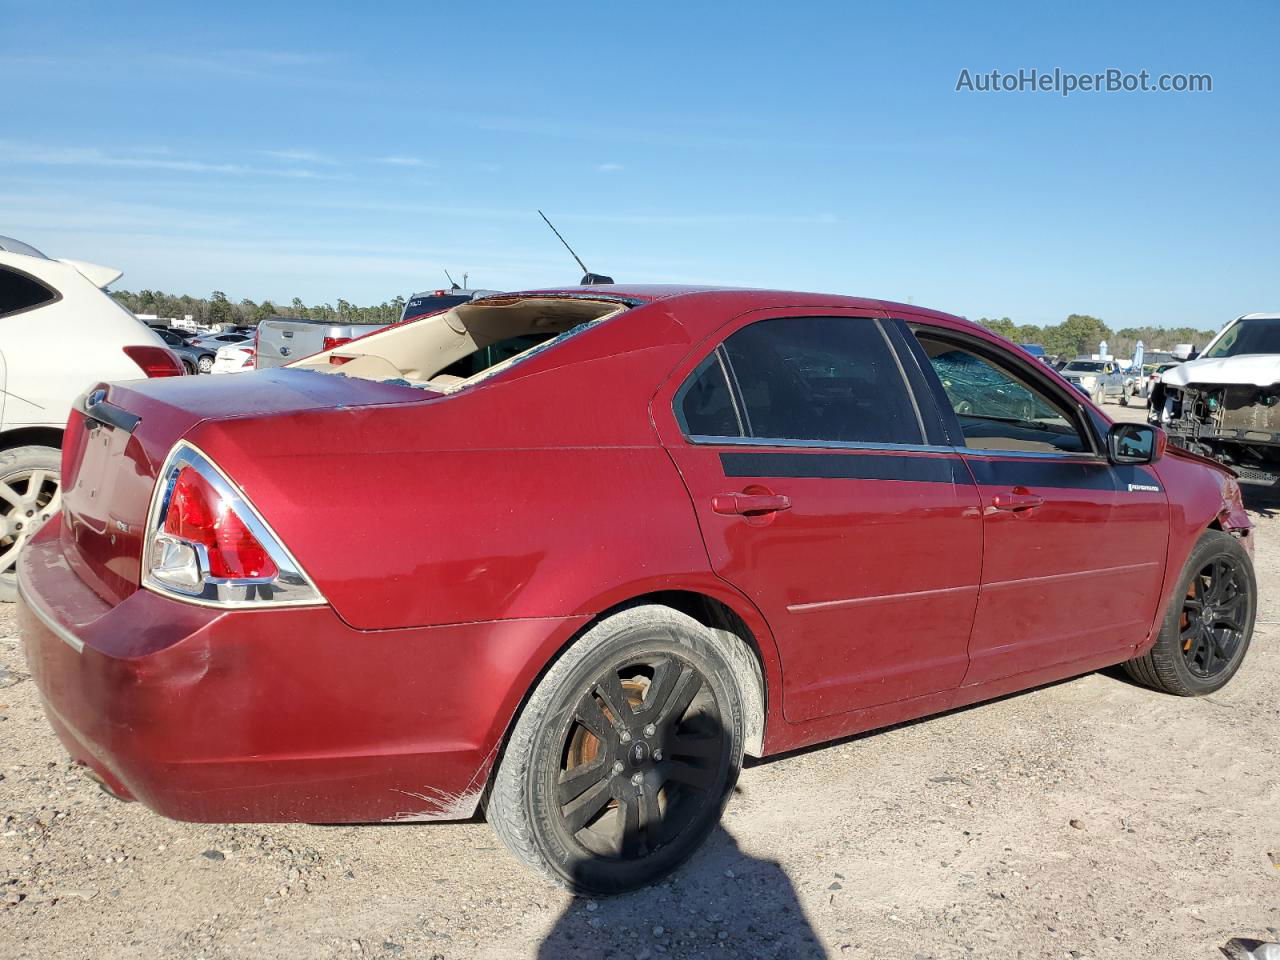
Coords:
290,587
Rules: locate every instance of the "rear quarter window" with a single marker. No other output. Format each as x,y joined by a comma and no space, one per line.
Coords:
19,292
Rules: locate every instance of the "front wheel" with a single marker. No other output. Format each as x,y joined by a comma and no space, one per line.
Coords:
624,756
29,495
1208,625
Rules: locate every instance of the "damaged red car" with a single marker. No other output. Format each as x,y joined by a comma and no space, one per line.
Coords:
566,556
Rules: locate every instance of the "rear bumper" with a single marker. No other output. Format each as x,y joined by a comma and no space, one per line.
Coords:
272,715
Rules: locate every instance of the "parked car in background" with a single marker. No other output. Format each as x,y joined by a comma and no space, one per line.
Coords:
1096,379
182,349
1151,374
59,334
1225,404
207,347
282,340
1035,350
810,534
234,358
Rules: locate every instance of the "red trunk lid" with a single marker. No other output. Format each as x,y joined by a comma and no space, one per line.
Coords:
109,474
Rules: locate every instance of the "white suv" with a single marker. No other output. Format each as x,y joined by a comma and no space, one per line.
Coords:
59,334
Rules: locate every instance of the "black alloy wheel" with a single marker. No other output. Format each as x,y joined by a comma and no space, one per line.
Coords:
1213,617
625,754
1208,624
643,754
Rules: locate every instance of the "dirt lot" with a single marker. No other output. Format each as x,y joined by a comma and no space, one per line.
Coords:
1086,819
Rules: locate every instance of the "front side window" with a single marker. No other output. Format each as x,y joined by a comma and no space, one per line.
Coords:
997,409
19,292
819,379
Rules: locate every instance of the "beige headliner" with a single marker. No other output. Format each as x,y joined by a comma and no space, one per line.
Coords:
418,351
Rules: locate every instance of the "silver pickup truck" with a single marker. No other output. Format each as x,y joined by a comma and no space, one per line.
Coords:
282,340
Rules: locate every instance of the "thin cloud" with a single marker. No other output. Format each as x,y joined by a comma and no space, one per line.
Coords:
401,160
150,159
300,156
608,167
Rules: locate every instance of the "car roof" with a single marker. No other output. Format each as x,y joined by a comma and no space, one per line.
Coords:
1261,316
736,299
10,245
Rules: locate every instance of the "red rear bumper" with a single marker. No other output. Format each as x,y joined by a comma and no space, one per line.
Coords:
272,715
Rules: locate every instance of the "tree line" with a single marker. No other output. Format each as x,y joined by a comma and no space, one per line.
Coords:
1078,334
1081,333
219,308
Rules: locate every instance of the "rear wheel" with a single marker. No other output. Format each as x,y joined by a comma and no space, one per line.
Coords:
1209,624
624,757
1099,395
205,364
29,495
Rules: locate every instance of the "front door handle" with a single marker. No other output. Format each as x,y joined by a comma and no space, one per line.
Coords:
1018,500
744,504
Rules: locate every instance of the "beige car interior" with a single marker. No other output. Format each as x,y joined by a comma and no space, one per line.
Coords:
420,350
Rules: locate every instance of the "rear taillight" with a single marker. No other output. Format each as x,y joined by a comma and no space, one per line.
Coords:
206,543
198,515
156,361
331,342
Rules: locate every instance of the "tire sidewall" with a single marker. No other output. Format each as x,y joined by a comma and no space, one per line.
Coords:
636,640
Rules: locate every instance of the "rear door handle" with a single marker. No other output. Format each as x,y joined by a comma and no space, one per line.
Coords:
1017,500
742,504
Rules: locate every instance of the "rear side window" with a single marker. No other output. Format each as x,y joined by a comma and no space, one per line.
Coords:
821,379
19,292
705,406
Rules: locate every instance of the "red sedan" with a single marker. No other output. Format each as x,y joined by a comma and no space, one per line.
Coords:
567,555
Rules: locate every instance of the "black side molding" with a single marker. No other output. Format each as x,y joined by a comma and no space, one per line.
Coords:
97,410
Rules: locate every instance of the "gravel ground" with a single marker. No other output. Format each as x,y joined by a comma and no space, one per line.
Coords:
1090,818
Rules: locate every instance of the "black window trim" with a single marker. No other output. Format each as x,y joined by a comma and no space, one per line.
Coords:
931,441
1084,422
56,294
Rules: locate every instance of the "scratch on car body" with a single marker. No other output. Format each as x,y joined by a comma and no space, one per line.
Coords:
443,805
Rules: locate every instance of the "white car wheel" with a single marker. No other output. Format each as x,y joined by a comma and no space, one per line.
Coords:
30,493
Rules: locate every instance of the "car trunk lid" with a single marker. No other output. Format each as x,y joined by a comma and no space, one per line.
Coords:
119,435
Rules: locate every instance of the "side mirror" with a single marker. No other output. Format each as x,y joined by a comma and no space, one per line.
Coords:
1130,443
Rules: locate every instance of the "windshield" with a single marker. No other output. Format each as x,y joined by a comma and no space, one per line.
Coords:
1247,336
1084,366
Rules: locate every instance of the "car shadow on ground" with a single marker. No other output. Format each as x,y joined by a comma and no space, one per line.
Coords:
722,903
1264,501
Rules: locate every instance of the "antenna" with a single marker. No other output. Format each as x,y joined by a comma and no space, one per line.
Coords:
452,285
588,278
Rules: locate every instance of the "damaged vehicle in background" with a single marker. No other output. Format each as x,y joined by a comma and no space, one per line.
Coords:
1225,404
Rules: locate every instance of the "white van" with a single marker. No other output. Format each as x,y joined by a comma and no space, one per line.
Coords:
59,334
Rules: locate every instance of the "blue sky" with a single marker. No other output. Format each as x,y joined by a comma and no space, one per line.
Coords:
355,150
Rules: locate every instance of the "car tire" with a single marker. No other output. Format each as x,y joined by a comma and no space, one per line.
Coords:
669,765
1099,396
205,364
19,467
1186,660
188,368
